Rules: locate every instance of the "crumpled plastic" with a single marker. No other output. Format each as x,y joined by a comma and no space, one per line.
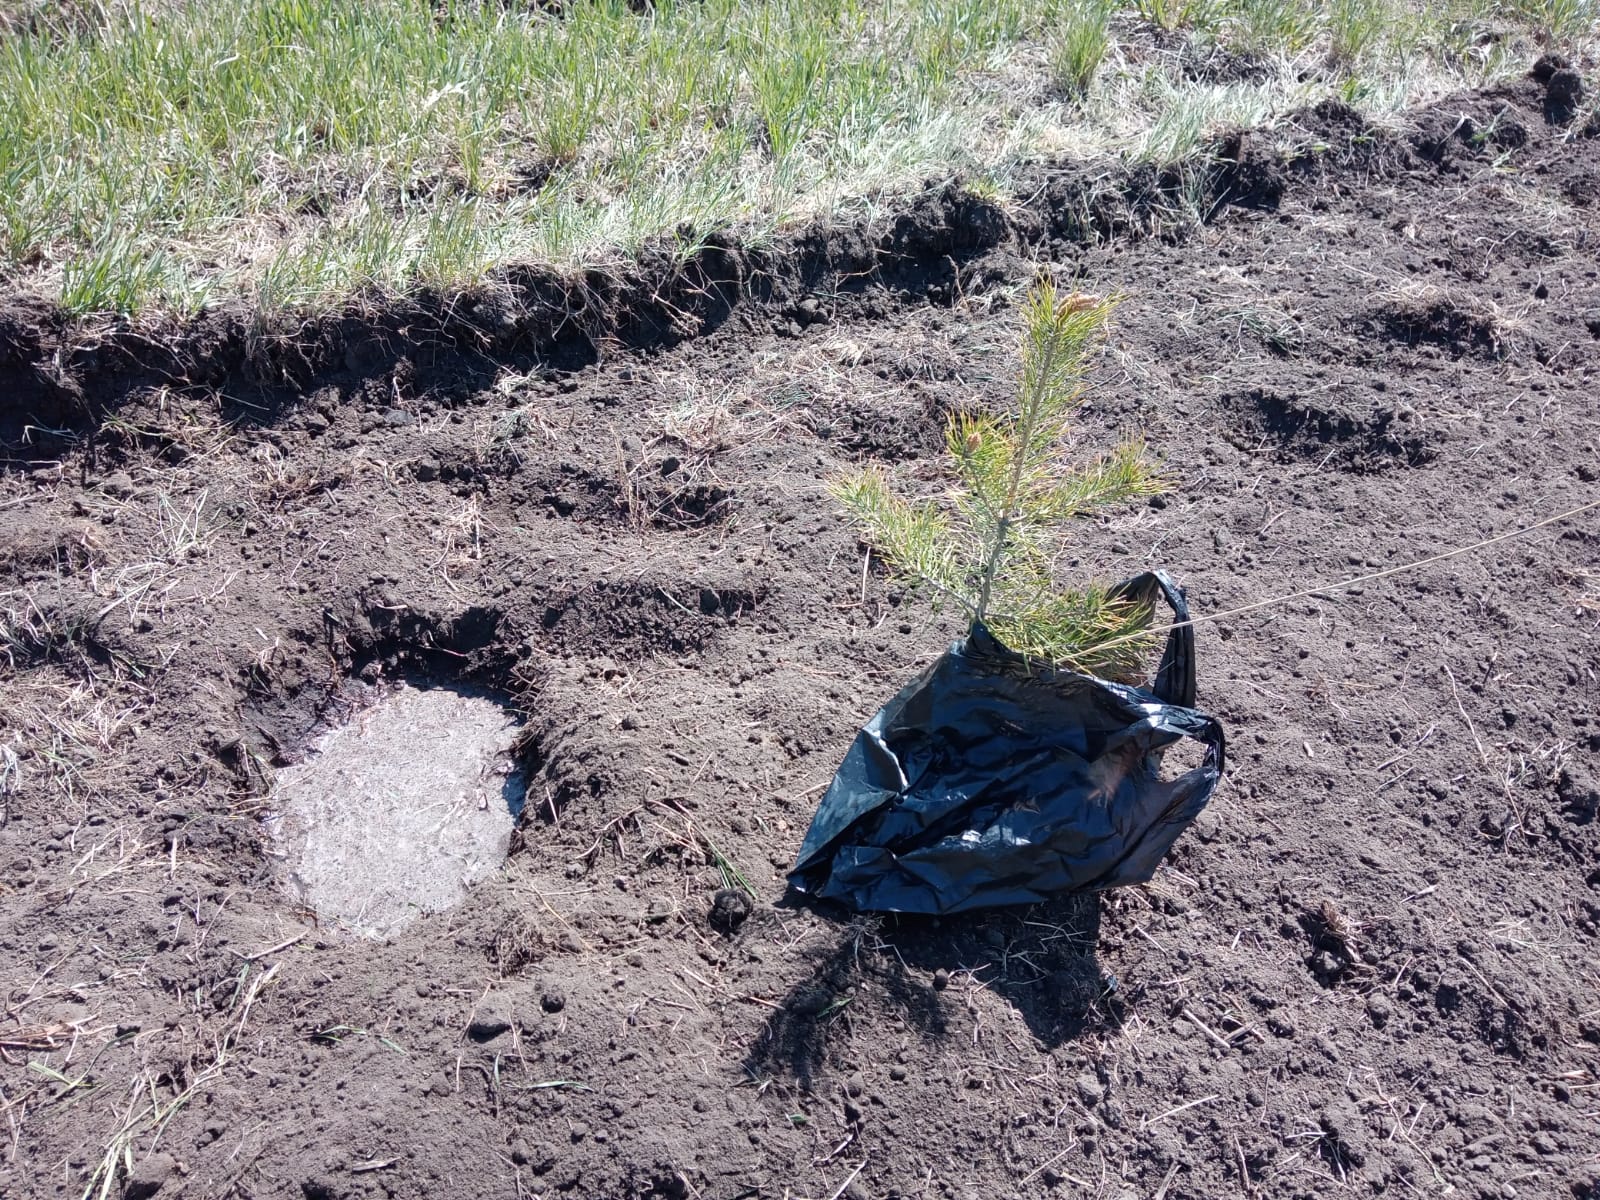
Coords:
991,780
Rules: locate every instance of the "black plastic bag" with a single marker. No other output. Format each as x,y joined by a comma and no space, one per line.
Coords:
992,781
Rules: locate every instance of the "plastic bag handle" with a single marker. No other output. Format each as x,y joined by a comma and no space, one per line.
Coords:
1174,682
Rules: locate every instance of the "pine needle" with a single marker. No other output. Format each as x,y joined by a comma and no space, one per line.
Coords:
991,546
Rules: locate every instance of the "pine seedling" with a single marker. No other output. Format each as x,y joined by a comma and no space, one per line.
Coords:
990,545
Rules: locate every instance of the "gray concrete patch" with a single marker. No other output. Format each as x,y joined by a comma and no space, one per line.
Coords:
395,813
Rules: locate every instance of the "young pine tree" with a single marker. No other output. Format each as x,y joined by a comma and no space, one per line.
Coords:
991,544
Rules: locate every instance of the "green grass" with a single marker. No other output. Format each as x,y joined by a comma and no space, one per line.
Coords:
1080,43
295,153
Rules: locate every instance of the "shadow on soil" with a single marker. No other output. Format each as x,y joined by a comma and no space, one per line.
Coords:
1040,959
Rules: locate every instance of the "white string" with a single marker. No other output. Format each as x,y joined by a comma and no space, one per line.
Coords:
1359,579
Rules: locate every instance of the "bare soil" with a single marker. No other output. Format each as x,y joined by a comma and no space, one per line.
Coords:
1369,968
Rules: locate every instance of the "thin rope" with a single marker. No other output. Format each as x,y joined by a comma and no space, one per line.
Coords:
1349,583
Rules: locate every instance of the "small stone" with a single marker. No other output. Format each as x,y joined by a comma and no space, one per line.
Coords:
552,1002
941,979
485,1027
898,1074
729,908
1089,1090
427,469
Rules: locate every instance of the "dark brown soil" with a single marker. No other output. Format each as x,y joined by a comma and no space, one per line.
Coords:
1370,967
